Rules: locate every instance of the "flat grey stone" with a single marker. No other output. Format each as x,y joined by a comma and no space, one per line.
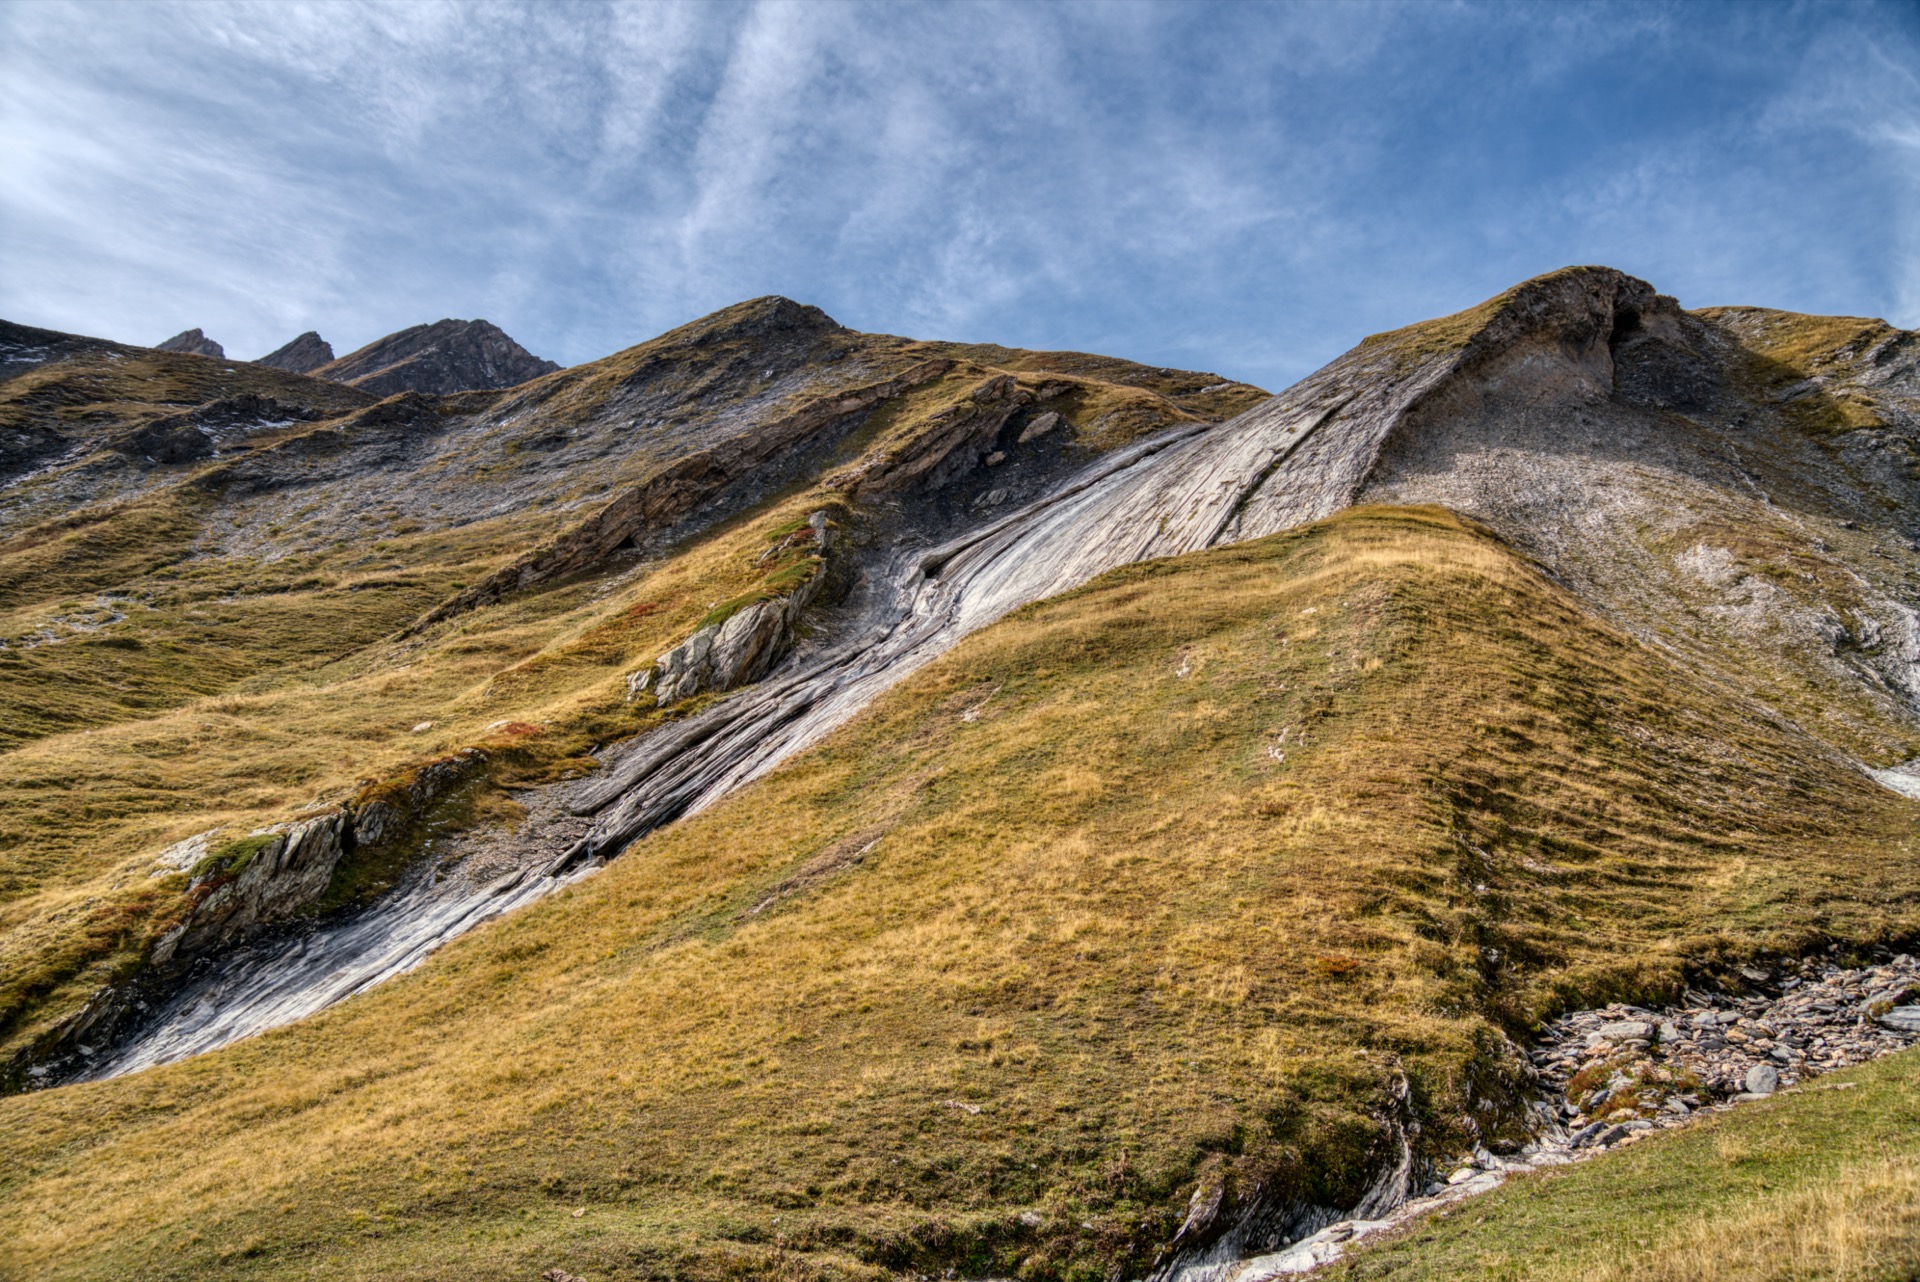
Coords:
1902,1019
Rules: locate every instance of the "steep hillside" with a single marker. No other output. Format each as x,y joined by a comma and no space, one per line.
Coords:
302,355
1171,882
881,899
1737,485
215,637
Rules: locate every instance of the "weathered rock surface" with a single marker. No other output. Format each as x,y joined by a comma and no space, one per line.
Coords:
1715,1048
1602,1087
953,441
192,343
289,872
301,356
740,648
446,356
678,489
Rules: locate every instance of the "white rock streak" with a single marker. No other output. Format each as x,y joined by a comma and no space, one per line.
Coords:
1297,457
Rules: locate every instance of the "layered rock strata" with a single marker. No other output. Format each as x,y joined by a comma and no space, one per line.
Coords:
678,489
742,647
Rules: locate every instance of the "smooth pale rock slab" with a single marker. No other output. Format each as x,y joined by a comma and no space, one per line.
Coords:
1626,1028
1763,1079
1904,1019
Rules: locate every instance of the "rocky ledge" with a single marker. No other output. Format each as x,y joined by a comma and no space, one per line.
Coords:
746,644
1624,1069
1613,1075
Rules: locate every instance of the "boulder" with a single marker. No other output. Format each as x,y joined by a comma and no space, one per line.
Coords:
1762,1079
1040,425
1627,1029
745,646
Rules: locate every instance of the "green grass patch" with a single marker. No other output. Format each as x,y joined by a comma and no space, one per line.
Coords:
1820,1182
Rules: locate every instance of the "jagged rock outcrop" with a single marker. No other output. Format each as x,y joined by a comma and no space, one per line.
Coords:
302,356
446,356
953,441
678,489
193,343
256,880
740,648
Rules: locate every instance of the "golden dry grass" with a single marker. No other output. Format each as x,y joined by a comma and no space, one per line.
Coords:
271,701
1174,874
240,687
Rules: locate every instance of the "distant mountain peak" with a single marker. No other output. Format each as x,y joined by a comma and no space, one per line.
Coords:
304,354
446,356
193,343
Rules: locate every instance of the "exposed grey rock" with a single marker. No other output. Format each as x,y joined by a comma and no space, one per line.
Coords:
1905,1019
741,648
676,490
1762,1079
1040,425
193,343
446,356
952,443
290,871
1623,1030
304,354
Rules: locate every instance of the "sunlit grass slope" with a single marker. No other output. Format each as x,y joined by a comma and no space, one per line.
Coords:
1165,881
268,701
1822,1183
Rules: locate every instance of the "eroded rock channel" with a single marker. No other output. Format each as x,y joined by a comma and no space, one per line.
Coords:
1614,1075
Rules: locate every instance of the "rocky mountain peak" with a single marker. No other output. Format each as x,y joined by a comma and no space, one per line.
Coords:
305,353
446,356
193,343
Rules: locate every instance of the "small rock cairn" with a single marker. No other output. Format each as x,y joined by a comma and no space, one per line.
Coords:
1625,1070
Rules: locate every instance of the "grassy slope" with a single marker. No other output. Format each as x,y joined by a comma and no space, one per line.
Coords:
1819,1183
240,686
1062,877
307,704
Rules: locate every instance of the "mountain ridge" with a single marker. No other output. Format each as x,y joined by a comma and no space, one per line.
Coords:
1282,761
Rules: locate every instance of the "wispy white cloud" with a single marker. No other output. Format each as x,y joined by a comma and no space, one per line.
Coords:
1240,186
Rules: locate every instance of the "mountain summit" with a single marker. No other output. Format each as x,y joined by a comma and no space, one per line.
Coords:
303,355
446,356
193,343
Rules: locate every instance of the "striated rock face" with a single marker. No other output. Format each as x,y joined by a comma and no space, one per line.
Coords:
193,343
303,355
954,441
278,874
446,356
681,487
740,649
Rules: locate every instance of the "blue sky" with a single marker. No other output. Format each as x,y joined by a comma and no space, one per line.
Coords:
1243,188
